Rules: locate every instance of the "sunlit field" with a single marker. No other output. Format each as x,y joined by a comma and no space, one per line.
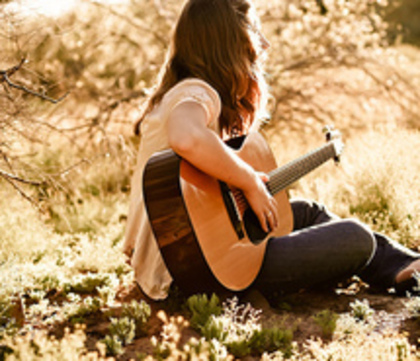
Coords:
67,151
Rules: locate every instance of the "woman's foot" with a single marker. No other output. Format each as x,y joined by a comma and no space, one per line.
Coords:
407,280
407,272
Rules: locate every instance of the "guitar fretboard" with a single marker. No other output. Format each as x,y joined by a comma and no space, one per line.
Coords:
289,173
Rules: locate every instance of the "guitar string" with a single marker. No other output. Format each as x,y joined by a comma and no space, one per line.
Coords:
297,161
293,171
294,174
297,169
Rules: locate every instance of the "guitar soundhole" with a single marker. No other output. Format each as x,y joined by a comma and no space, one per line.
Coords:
231,208
253,227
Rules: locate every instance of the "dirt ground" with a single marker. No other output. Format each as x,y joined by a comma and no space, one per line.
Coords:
294,311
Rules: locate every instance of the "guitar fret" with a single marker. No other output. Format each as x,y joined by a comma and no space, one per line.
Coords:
291,172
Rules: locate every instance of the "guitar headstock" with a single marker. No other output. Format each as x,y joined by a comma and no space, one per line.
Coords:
334,136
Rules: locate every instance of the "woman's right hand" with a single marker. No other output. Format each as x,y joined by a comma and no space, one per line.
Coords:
190,138
262,202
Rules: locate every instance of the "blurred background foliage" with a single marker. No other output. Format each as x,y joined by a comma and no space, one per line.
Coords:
330,62
404,19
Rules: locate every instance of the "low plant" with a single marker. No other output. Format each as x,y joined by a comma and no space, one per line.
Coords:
271,340
327,320
168,342
49,282
113,345
12,315
413,306
202,308
78,309
40,346
8,324
361,310
238,328
140,313
124,329
87,283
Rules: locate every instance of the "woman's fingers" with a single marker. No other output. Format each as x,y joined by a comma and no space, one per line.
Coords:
272,215
263,221
263,203
268,217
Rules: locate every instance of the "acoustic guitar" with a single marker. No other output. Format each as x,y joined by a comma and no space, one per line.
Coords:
208,236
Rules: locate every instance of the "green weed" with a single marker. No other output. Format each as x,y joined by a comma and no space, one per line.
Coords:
87,284
113,345
413,306
361,310
272,339
327,320
124,329
140,313
202,308
239,330
78,310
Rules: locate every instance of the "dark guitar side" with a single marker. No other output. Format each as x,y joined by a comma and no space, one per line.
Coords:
193,228
172,227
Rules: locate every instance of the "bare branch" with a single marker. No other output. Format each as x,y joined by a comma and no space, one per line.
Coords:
161,39
11,181
14,69
4,77
12,177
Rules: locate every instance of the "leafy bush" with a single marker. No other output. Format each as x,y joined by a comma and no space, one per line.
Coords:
202,309
239,330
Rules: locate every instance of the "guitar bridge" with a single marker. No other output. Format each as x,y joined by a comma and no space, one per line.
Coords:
232,209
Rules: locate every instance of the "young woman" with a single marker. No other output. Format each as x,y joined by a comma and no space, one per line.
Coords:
211,89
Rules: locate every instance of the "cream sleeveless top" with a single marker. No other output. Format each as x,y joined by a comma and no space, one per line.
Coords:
139,244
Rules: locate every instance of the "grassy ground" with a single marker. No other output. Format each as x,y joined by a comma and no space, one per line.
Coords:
67,292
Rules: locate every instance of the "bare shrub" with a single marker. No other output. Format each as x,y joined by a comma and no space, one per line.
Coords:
333,64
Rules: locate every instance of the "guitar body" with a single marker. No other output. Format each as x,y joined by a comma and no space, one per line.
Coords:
198,221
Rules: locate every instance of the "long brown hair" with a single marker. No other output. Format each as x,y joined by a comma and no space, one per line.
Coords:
214,40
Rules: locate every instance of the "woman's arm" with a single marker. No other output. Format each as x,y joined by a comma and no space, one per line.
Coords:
190,138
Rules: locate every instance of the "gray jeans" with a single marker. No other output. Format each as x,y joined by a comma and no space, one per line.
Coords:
323,250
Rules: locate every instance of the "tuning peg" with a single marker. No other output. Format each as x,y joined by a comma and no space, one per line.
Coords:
334,136
331,133
327,130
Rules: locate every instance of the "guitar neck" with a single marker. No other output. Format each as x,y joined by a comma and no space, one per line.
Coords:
289,173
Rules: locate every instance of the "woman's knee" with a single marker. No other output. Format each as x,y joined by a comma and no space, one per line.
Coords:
362,238
307,213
